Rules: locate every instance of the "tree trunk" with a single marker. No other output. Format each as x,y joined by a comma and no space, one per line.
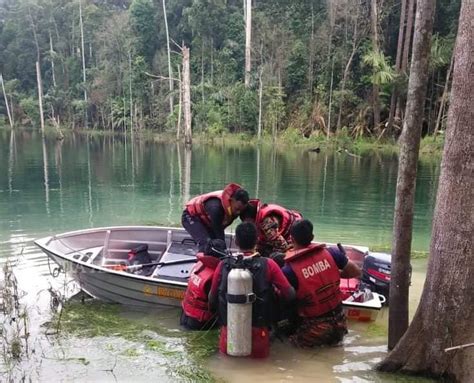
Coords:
40,95
408,35
202,71
212,60
330,98
398,62
444,97
170,71
83,61
51,53
248,38
408,160
10,120
188,139
38,70
375,43
406,54
445,314
346,71
311,54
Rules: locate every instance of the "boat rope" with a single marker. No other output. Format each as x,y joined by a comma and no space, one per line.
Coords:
56,271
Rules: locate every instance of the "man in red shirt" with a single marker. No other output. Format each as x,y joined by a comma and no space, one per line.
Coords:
315,272
266,277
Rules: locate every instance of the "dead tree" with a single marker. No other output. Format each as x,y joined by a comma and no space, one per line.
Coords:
10,119
186,84
248,41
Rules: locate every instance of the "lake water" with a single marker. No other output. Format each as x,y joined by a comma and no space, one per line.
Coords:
84,181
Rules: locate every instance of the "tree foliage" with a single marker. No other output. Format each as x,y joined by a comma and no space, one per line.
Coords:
304,46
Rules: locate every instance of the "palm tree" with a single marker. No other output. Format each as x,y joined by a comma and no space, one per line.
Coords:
382,72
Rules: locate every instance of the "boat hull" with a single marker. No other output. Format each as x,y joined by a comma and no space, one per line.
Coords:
80,254
120,287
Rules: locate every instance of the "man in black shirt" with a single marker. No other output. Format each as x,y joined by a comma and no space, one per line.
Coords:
206,216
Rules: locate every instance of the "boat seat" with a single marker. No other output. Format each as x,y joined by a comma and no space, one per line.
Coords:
177,251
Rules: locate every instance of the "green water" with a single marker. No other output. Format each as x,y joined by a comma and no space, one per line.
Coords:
55,186
95,181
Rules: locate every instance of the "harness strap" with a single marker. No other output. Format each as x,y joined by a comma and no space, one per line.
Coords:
241,298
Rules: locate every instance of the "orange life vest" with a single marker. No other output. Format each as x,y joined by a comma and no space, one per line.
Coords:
195,206
318,280
195,302
285,216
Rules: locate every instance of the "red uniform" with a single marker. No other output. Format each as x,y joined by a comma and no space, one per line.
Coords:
318,280
195,303
195,206
318,295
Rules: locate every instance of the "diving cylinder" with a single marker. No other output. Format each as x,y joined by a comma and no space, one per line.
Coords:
239,312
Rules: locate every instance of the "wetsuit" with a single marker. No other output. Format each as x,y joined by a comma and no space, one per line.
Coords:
267,275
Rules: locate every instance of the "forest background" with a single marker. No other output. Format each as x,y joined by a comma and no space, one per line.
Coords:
317,67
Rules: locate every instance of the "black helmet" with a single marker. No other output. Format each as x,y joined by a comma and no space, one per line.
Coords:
216,248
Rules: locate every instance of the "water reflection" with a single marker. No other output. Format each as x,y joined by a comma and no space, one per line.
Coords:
86,181
11,160
187,174
323,198
257,178
171,195
98,182
89,182
45,175
180,173
58,160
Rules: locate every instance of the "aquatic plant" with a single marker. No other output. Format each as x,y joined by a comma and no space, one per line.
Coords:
14,330
185,353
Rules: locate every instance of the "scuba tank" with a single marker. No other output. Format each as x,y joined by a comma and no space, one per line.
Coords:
240,298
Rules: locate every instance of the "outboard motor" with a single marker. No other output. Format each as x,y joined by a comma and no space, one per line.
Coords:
376,272
240,298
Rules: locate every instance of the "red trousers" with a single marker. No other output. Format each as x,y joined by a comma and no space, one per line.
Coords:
260,342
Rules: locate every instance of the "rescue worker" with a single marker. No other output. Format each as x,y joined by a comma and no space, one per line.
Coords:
266,276
196,314
206,216
273,225
315,273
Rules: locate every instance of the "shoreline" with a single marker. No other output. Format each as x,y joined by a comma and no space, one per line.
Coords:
431,148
